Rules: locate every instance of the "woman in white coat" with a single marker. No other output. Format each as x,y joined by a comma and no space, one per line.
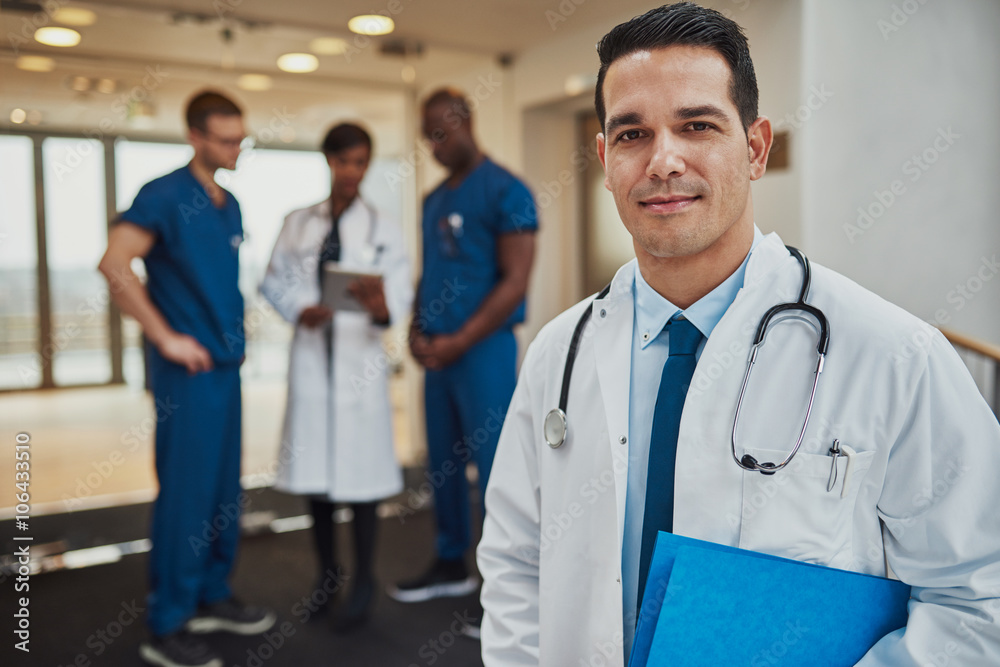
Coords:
337,438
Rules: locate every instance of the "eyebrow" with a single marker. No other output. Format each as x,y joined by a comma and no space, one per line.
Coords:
705,110
685,113
628,118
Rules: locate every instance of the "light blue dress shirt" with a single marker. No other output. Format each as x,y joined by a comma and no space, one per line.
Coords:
649,353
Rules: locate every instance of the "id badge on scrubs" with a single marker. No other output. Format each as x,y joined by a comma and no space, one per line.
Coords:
449,229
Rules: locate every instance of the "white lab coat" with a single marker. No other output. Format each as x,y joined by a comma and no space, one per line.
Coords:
923,494
337,435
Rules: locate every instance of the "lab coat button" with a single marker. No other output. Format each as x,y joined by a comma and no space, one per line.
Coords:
604,313
622,439
645,335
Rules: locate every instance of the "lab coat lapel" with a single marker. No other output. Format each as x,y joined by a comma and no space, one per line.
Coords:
708,483
612,353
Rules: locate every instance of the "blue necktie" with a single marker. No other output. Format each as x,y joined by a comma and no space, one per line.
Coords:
683,341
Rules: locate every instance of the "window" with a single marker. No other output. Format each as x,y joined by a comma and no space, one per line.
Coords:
76,223
20,363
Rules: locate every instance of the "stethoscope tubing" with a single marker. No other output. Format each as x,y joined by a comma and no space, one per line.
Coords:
555,427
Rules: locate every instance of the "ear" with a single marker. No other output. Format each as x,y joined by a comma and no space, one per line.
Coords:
759,139
601,147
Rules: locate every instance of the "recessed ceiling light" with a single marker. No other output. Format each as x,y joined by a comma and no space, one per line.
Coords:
54,36
371,24
328,46
408,73
254,82
77,16
35,63
106,86
34,117
80,84
287,134
18,116
298,62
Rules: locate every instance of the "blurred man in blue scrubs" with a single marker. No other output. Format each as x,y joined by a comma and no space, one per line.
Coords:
188,230
478,246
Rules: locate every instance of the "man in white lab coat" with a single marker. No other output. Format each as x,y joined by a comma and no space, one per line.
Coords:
562,546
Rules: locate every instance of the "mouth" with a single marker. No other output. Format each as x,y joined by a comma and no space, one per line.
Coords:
668,204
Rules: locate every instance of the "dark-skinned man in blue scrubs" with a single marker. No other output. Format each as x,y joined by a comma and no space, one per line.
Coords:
478,246
188,229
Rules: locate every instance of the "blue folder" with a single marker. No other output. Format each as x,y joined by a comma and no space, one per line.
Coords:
709,604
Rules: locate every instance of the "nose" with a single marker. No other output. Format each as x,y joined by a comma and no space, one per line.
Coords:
666,160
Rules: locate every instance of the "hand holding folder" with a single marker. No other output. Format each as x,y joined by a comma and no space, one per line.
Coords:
709,604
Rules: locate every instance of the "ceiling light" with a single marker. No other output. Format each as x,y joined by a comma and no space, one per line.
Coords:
254,82
298,62
408,74
287,134
35,63
328,46
106,86
80,84
18,116
371,24
77,16
34,117
53,36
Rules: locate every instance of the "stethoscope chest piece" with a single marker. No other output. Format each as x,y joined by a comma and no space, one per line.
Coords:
554,428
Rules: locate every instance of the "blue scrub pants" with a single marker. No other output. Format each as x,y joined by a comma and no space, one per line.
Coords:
465,404
196,514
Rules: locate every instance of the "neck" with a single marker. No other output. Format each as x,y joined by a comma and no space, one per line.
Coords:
460,172
339,202
203,174
685,280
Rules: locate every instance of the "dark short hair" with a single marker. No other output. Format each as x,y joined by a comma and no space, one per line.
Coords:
344,136
209,103
453,98
684,24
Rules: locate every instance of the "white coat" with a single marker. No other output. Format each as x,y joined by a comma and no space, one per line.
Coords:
923,496
337,435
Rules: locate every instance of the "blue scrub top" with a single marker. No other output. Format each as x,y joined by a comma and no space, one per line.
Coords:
460,230
193,266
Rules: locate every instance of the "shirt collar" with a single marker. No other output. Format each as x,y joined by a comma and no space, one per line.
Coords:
652,311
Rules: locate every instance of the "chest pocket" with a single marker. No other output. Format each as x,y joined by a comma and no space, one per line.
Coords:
791,513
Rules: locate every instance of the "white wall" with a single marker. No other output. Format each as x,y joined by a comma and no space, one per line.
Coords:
901,82
545,119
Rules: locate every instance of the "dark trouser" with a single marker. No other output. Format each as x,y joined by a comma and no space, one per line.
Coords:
465,406
364,526
196,514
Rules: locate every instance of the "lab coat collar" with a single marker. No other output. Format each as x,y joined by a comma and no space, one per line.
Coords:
324,207
768,255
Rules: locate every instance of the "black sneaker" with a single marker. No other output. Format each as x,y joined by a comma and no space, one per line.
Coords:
445,578
232,616
180,649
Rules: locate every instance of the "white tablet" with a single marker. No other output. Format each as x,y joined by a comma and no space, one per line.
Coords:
335,283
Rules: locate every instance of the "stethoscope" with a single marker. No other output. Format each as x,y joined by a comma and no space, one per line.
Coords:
555,425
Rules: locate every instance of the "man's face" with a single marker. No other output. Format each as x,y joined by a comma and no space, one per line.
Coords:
674,152
218,146
446,131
